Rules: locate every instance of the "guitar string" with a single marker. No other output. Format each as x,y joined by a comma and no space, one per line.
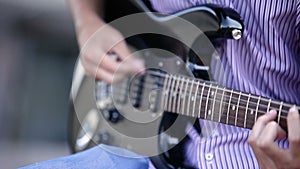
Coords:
230,113
226,96
162,75
233,116
274,102
240,120
243,102
283,113
240,108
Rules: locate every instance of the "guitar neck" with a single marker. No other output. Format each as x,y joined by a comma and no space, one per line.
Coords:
205,100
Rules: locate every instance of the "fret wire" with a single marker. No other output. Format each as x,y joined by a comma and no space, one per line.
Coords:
180,95
195,99
283,112
281,104
231,121
263,99
245,101
239,123
201,99
228,90
175,95
168,92
213,108
229,106
279,113
165,92
257,108
208,94
241,109
220,112
253,96
172,93
237,108
184,100
190,96
242,94
245,120
268,109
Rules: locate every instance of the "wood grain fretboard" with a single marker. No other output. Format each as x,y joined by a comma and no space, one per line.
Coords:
206,100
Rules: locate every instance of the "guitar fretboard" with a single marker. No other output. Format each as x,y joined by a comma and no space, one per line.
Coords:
206,100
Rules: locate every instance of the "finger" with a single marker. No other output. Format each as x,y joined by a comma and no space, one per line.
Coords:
260,124
293,123
109,64
111,71
103,61
99,74
135,64
130,66
122,50
266,141
263,160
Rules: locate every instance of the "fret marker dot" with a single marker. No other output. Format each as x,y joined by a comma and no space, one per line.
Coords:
233,107
193,98
212,93
251,112
209,112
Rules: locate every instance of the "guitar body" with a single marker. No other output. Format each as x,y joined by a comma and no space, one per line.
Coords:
101,115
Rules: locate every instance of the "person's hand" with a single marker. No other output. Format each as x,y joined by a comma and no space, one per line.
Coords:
98,41
267,151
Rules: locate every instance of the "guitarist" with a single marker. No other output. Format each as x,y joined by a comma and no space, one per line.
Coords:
265,61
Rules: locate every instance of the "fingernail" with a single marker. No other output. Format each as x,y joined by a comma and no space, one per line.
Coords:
272,112
293,109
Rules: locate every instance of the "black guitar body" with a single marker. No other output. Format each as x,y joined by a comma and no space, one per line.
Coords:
217,24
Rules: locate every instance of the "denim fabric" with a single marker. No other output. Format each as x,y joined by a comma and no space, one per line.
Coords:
102,156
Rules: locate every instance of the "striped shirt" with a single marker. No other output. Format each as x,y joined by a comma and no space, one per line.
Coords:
265,61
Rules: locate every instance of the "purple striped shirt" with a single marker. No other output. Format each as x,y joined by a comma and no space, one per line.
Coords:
266,62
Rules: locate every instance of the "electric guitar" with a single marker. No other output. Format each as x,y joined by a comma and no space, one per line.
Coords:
148,113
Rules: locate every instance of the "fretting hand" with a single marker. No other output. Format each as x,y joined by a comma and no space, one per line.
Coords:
263,136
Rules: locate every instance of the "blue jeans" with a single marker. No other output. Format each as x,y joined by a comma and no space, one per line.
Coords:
102,156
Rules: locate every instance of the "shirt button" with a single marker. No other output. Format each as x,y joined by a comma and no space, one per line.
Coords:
215,134
209,156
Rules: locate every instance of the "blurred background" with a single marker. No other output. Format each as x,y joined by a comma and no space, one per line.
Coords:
38,51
